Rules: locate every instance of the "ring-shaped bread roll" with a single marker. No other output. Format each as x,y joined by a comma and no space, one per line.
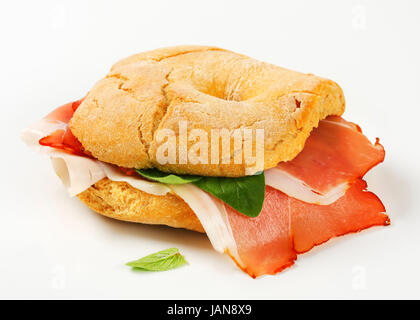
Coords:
208,88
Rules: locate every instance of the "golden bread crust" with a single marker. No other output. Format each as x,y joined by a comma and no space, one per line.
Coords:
121,201
210,88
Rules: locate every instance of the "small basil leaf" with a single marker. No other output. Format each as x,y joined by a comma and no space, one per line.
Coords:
245,194
168,178
160,261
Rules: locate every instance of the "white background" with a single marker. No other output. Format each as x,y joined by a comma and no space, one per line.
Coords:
52,52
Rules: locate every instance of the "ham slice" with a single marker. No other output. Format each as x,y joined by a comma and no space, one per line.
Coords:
65,112
335,155
264,243
357,210
63,138
286,226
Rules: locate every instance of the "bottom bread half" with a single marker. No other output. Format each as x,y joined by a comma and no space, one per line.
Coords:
121,201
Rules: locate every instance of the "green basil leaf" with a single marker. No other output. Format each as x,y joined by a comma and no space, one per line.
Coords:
160,261
245,194
168,178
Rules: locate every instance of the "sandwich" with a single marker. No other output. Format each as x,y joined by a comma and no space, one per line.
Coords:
256,156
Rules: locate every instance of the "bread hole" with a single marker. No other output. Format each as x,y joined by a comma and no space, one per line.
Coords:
222,95
219,92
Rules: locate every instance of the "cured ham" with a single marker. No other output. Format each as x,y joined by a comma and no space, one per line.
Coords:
63,138
65,112
286,226
335,155
264,243
318,195
313,224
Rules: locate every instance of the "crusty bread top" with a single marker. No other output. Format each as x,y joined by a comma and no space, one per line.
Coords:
210,88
